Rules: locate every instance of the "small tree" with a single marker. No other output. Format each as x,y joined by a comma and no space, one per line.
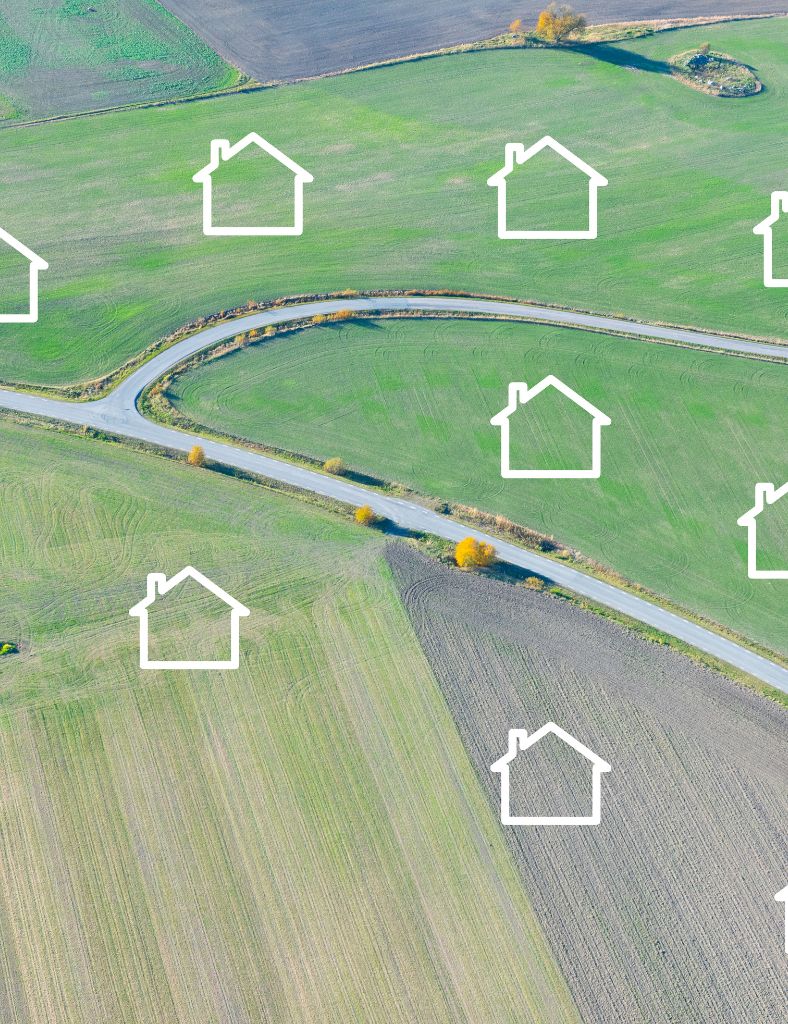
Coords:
334,465
196,456
366,516
471,553
342,314
557,23
516,26
319,318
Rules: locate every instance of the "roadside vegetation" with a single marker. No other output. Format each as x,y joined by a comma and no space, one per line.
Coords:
196,455
471,553
221,821
365,516
399,197
691,434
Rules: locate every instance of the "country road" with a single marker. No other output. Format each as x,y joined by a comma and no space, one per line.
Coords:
117,413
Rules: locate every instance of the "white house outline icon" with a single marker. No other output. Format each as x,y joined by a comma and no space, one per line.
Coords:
222,151
519,395
765,494
36,264
782,897
157,585
516,153
779,205
519,740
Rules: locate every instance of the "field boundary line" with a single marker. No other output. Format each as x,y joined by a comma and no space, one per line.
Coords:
503,41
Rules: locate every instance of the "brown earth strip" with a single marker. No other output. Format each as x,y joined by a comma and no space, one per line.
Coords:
665,911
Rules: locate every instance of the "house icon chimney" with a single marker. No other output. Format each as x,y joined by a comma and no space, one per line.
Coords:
765,228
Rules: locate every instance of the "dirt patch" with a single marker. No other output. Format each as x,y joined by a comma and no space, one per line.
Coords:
280,40
717,74
665,911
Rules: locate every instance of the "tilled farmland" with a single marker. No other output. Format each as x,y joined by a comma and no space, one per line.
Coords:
665,911
283,40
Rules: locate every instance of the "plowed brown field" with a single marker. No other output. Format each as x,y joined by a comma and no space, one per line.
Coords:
280,39
665,911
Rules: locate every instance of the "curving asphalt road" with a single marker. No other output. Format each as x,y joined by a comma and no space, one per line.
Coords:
117,413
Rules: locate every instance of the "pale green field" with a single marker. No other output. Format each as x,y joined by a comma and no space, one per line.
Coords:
303,839
410,400
401,157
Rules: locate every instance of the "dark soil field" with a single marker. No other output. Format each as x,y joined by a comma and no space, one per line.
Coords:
279,39
665,911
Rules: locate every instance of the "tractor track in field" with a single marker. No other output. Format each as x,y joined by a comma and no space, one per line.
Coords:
118,413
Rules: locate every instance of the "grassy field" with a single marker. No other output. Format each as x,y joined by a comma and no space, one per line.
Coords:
293,841
401,157
663,912
61,56
691,434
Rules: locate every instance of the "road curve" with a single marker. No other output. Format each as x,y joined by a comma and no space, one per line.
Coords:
117,413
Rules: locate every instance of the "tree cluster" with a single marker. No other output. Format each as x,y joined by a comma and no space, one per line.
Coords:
558,22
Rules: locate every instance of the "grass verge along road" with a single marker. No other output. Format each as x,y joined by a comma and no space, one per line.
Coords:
692,433
117,413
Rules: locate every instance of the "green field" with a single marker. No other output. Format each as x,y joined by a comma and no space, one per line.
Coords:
62,56
293,841
401,156
410,400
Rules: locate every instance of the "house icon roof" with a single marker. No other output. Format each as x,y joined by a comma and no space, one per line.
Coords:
520,394
779,205
765,494
519,740
158,584
516,153
35,260
221,150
